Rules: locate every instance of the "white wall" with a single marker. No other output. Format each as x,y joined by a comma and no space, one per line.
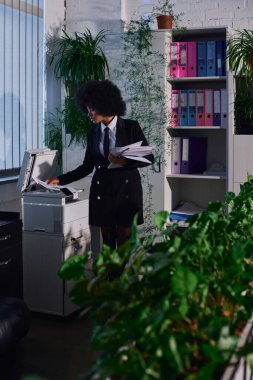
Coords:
235,13
97,14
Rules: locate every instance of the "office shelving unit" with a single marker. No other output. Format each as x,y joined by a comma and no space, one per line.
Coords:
171,189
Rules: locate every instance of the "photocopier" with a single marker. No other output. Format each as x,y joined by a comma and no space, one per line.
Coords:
55,227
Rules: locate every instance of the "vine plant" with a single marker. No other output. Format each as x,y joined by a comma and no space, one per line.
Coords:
140,68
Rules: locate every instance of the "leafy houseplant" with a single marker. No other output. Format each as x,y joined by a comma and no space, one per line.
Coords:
176,302
240,56
240,53
165,15
76,59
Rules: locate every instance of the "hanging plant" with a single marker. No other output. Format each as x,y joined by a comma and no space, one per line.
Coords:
140,70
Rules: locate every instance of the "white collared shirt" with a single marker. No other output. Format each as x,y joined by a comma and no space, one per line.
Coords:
112,134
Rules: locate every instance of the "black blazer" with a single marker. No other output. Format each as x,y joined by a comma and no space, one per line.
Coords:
127,132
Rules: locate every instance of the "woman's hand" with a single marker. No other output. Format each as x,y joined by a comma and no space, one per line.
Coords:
53,181
117,159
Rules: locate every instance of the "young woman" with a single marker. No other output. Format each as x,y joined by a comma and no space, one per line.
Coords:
115,194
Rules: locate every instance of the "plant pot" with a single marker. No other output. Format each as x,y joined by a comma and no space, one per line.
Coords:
243,127
164,22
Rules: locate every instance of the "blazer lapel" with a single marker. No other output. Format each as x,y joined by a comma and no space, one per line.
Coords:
96,138
121,138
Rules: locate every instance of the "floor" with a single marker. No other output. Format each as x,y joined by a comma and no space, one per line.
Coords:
56,348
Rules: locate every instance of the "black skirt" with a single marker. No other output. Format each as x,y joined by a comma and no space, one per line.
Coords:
115,197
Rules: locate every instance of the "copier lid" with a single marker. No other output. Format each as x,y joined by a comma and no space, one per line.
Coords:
38,163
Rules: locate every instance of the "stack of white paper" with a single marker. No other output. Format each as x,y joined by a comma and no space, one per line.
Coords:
133,151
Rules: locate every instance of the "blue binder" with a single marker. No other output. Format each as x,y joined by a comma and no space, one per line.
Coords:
219,58
211,58
224,58
201,58
192,107
183,108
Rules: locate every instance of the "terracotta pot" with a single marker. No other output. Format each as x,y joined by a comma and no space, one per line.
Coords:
164,22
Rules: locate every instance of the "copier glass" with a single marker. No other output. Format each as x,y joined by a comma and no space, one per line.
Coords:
55,227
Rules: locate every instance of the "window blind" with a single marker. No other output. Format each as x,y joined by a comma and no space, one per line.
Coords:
21,79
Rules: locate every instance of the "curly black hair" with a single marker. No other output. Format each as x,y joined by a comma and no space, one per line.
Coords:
103,96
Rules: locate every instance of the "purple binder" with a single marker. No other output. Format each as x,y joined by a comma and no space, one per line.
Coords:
194,150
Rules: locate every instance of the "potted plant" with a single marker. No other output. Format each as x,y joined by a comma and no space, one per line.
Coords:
240,53
76,59
165,15
243,112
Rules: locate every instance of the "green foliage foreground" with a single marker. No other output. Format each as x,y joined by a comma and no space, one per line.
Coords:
172,305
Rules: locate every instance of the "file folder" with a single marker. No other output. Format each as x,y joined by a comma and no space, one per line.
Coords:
192,59
216,107
182,46
219,58
211,58
194,151
224,58
201,58
183,110
175,108
200,106
175,155
208,107
191,107
224,107
174,56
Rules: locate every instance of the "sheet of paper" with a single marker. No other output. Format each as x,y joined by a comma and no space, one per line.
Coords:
117,151
55,187
138,158
135,149
114,166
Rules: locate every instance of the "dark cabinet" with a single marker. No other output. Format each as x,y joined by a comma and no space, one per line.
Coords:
11,283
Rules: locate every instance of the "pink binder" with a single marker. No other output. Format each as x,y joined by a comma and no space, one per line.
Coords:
182,47
192,59
200,105
174,56
208,107
175,108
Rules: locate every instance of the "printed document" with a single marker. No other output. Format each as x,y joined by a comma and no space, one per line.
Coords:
55,187
134,151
